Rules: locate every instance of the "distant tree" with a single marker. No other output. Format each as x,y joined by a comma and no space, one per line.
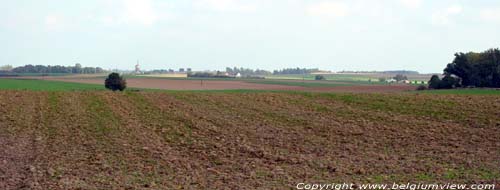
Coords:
400,77
88,70
294,71
434,82
99,70
381,79
476,69
319,77
115,82
56,69
449,82
77,69
246,71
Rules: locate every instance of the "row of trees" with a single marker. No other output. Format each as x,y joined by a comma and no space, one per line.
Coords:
470,70
476,69
243,71
77,69
218,74
246,71
295,71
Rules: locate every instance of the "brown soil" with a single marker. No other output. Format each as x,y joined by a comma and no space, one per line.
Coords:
364,88
15,157
166,84
196,140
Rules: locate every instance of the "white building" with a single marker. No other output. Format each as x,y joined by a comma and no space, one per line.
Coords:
391,81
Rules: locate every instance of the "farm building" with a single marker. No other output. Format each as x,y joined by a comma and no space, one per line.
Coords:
391,81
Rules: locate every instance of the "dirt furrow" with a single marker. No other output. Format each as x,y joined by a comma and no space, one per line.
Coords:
18,139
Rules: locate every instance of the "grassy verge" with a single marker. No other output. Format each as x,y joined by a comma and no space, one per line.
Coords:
464,91
41,85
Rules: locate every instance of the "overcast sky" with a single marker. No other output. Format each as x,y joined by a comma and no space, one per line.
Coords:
334,35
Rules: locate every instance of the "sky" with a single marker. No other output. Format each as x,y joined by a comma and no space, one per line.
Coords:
336,35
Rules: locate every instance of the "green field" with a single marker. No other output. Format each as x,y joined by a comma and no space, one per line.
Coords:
334,77
41,85
464,91
348,77
41,74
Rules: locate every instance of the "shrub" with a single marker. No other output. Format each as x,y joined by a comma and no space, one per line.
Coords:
115,82
400,77
448,82
434,82
319,77
207,75
422,87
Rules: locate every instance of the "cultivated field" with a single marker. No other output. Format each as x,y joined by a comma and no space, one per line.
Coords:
243,140
351,76
236,84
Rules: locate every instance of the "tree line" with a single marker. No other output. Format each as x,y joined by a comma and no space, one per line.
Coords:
246,71
470,70
295,71
77,69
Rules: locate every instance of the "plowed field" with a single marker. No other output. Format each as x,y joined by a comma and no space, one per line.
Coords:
289,85
188,140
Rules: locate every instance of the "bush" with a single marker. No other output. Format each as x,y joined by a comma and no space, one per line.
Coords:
207,75
421,87
448,82
115,82
434,82
400,77
319,77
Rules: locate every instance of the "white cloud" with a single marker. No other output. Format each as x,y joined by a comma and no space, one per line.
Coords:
443,17
227,5
108,20
491,14
412,4
139,11
136,12
54,22
328,9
